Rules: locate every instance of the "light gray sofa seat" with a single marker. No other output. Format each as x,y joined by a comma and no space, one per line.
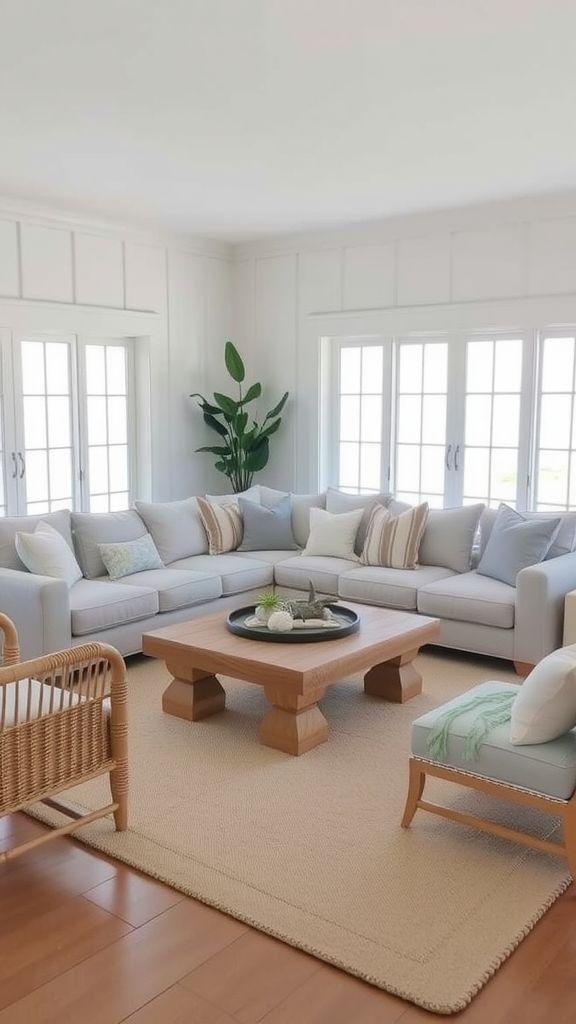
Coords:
390,588
323,571
469,597
99,604
178,590
236,574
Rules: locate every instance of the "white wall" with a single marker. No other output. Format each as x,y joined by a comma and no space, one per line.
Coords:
491,265
60,270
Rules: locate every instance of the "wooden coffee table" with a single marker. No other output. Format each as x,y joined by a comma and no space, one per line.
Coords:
294,676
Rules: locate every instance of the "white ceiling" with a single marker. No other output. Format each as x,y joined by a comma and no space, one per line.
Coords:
237,119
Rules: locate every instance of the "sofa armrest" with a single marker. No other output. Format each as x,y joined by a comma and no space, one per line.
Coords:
39,606
539,613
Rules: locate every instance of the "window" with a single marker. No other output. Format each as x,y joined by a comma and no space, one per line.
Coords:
360,377
70,419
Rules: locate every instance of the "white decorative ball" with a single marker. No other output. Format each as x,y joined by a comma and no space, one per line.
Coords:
281,622
263,614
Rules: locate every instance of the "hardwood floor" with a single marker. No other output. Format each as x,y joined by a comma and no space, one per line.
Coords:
86,940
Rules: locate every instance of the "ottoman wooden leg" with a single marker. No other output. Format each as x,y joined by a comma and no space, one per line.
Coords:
416,783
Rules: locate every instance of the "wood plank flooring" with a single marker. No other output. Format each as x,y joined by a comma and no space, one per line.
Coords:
86,940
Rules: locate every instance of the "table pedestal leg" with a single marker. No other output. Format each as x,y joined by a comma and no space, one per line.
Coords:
295,723
397,680
192,694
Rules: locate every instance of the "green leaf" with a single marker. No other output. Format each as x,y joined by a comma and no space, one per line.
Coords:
227,404
234,363
215,449
271,429
254,391
241,421
215,424
278,408
258,458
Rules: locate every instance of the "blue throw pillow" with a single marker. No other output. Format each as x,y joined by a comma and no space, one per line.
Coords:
267,529
515,543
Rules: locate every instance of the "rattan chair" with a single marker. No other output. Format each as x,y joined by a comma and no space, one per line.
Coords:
63,721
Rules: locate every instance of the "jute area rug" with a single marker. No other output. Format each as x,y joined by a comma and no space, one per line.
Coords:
310,849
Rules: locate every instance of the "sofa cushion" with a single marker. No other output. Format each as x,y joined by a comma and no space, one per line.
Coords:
252,493
342,501
301,505
323,571
101,604
394,541
176,528
180,589
130,556
387,588
333,535
267,527
10,525
448,537
469,597
515,543
237,572
46,553
545,707
563,543
89,529
223,525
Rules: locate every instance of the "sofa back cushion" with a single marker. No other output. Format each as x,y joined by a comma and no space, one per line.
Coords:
11,525
301,505
176,528
564,542
448,537
515,543
89,529
342,501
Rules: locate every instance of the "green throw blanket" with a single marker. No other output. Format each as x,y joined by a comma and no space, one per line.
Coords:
493,709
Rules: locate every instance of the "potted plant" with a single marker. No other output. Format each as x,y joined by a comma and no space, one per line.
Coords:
244,446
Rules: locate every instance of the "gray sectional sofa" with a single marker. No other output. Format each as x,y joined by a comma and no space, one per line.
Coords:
521,623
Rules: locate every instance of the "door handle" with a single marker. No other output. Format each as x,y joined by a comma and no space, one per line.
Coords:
22,464
448,457
15,473
457,457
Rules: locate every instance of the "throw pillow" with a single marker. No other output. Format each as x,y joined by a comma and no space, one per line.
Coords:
223,525
46,553
333,535
515,543
394,541
176,528
267,529
343,501
545,707
127,557
448,537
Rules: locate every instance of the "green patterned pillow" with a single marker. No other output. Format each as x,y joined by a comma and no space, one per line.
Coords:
130,556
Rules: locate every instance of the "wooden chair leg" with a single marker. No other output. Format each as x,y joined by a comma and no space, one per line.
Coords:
416,783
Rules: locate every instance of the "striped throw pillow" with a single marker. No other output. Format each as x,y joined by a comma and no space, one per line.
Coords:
223,525
393,541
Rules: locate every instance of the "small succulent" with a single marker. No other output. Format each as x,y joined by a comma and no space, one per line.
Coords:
266,603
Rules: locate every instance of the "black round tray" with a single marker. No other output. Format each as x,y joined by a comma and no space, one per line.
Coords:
350,623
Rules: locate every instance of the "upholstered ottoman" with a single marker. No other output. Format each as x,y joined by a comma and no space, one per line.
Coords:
540,775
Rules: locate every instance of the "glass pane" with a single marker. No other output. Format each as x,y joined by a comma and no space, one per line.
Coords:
477,473
410,369
36,477
558,364
32,367
435,367
508,365
506,420
478,419
118,468
60,462
350,359
117,421
95,370
59,422
96,413
479,361
98,463
116,370
555,421
552,477
408,467
370,466
371,418
37,508
372,369
118,501
409,418
504,474
348,474
572,493
34,422
57,376
100,503
434,419
433,468
350,418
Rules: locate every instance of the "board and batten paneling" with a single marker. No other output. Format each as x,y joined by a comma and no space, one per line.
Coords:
99,265
320,281
489,264
368,276
9,268
46,254
146,277
423,270
552,257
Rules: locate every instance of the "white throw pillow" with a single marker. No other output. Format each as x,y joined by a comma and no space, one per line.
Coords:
545,707
333,535
46,553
